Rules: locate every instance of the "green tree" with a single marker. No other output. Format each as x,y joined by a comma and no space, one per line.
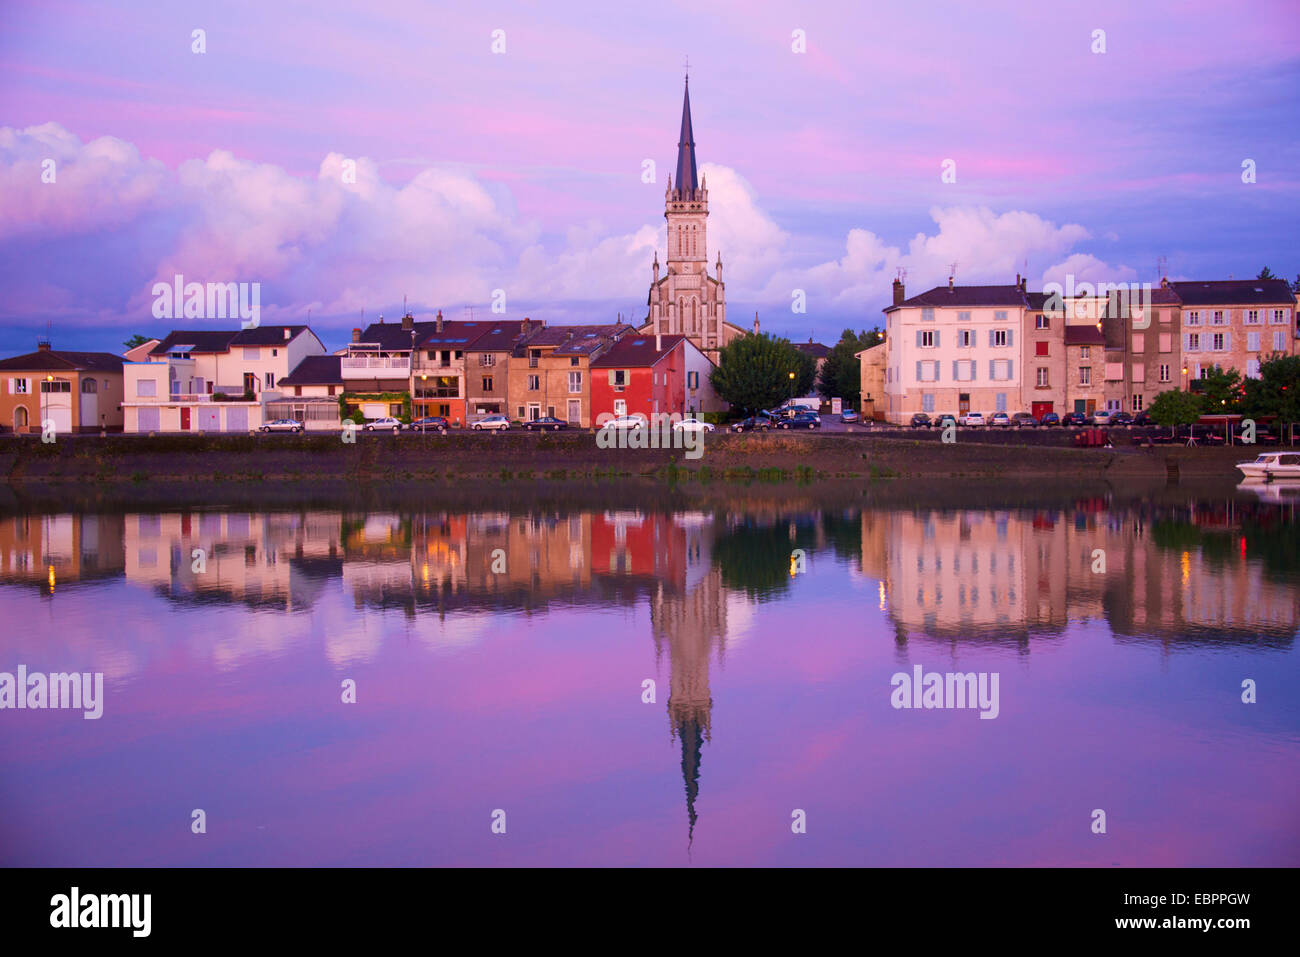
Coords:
1220,390
1295,286
841,373
1276,391
1175,407
754,372
1266,273
136,340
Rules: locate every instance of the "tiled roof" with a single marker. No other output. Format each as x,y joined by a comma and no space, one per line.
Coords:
636,352
1228,292
814,349
196,340
315,370
499,337
266,335
49,360
561,335
1084,335
1008,295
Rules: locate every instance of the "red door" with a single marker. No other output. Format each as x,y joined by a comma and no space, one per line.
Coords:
1040,409
185,418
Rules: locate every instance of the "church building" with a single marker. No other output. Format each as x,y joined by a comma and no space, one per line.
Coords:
686,300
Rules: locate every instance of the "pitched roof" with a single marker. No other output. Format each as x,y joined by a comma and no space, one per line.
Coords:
561,335
49,360
686,178
1008,295
456,334
814,349
315,370
631,352
266,335
1084,335
195,340
1227,292
500,337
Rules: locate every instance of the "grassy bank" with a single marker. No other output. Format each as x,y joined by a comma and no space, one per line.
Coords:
519,457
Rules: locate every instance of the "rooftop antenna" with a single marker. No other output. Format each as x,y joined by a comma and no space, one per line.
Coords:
901,274
403,305
952,270
686,65
1162,268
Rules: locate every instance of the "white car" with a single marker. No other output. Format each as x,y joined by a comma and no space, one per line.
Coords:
491,423
971,418
692,425
634,421
282,425
387,422
1102,417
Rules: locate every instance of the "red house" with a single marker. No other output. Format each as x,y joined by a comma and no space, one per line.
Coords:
645,374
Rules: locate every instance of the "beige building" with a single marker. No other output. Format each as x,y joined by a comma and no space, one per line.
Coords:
72,391
871,375
550,375
1234,324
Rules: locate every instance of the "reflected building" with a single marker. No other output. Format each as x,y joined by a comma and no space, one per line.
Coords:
54,551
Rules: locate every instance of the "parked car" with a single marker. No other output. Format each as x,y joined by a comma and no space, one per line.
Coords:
1143,418
944,420
972,419
1101,417
692,425
1121,419
1049,418
755,423
1000,419
386,422
547,423
805,421
634,421
920,421
1024,420
848,415
1074,419
491,423
282,425
430,423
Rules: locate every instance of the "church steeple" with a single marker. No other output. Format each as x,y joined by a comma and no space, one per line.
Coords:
687,180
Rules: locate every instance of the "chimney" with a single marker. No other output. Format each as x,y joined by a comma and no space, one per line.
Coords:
899,295
408,322
42,345
523,326
438,327
1024,283
950,278
1164,282
356,335
1017,280
287,334
659,343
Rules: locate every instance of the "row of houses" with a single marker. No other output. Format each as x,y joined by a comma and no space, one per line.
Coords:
954,349
236,380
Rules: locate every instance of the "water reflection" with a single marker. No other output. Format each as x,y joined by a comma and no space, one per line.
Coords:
1218,572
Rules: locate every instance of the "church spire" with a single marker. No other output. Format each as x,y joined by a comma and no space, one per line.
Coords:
686,177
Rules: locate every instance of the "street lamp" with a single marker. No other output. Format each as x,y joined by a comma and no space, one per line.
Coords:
792,388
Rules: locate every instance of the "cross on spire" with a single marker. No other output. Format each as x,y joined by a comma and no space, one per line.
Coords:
686,65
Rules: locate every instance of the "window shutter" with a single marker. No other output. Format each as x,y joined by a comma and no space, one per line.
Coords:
991,337
1010,337
936,338
918,338
956,376
1227,341
1011,368
611,377
993,370
918,366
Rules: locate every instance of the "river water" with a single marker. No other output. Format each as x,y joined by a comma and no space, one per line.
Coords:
711,684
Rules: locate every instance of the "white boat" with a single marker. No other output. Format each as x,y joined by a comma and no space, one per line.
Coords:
1271,465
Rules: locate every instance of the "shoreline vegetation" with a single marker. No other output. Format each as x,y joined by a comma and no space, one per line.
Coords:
203,462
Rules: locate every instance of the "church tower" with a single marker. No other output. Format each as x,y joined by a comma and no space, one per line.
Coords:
687,300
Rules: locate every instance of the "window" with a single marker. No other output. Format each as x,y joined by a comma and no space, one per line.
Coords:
999,337
1194,318
1279,341
1166,342
963,317
1217,342
1000,315
146,387
927,402
963,370
251,352
19,386
1252,317
1001,370
927,315
1042,378
487,383
1085,375
1040,348
693,380
1281,317
270,380
89,386
533,356
534,383
1040,322
1252,342
1219,318
487,359
58,385
1139,372
1112,405
618,379
1139,342
965,338
274,353
1114,371
575,381
1165,315
573,360
1252,368
1085,352
926,339
1193,342
1164,372
1137,402
927,371
297,390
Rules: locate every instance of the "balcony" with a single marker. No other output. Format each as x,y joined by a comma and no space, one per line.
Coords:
375,367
